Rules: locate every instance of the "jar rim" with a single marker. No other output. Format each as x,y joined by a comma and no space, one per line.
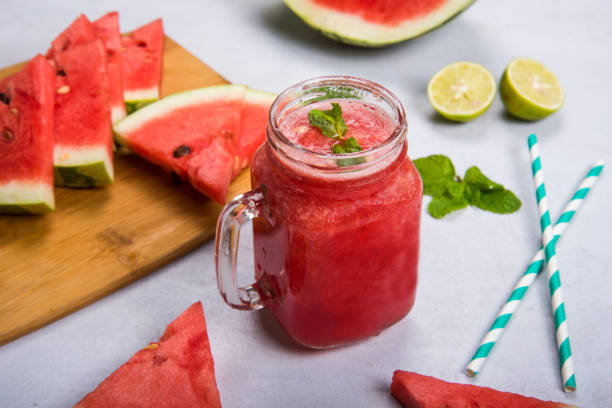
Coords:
342,81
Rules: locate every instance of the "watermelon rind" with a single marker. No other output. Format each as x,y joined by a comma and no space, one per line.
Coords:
26,197
257,97
168,104
139,98
352,29
82,167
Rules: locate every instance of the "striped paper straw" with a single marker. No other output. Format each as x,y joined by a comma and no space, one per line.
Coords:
554,278
531,273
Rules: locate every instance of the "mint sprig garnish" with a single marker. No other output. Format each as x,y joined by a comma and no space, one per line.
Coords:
332,124
451,193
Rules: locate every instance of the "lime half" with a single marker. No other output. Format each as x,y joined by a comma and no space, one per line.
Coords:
461,91
529,90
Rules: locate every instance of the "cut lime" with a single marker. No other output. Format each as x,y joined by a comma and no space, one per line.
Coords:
461,91
529,90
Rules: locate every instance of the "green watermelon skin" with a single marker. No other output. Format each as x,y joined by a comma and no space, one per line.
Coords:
176,372
26,139
375,23
107,29
413,390
142,56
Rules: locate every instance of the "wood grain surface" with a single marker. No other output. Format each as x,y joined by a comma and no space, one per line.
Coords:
98,240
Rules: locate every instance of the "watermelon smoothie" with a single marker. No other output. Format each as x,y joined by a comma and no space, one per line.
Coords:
336,237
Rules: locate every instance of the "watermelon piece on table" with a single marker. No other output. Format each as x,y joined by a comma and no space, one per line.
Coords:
143,51
413,390
375,23
178,371
255,112
191,133
107,29
83,151
26,139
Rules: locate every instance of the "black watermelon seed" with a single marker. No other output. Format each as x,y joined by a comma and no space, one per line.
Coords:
61,73
5,99
8,135
142,44
181,151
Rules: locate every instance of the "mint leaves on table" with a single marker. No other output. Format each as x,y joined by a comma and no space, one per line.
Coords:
450,192
332,124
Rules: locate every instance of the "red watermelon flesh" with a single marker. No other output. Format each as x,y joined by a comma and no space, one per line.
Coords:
191,133
387,12
253,126
420,391
81,31
82,126
26,138
107,29
178,371
143,64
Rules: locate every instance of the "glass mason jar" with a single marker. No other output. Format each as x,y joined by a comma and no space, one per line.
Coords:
336,237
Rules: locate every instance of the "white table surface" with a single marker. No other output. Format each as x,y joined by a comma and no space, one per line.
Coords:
469,261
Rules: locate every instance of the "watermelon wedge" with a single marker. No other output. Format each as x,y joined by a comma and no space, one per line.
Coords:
178,371
375,23
420,391
191,133
107,29
255,110
26,139
82,123
142,56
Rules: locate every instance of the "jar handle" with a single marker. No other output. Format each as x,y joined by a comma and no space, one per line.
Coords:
235,213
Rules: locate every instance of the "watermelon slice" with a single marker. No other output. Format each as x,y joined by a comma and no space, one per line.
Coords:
143,65
191,133
26,139
420,391
253,128
375,23
82,121
107,29
178,371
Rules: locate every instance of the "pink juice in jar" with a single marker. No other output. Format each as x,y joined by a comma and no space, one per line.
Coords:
336,248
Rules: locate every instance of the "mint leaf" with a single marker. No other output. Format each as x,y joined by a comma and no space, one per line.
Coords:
437,171
349,145
441,205
330,122
500,202
474,176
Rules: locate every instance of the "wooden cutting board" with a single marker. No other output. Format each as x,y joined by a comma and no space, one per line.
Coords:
98,240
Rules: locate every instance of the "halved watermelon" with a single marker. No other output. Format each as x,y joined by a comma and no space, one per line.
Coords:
143,51
375,23
26,139
421,391
191,133
178,371
107,29
253,129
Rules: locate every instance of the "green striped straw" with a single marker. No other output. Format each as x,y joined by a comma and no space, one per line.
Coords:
554,278
531,273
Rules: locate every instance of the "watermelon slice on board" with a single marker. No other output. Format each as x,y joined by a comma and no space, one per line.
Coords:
26,139
143,51
191,133
107,29
413,390
375,23
178,371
